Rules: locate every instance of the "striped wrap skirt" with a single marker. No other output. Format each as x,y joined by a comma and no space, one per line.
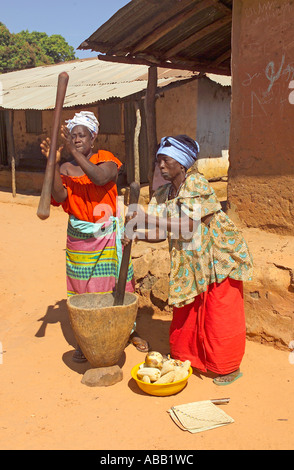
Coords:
93,257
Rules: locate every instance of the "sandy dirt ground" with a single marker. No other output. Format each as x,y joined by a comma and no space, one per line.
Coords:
44,405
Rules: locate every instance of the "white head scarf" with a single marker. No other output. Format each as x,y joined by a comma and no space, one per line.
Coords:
84,118
184,154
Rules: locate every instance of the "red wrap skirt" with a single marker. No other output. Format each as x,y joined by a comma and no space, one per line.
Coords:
211,331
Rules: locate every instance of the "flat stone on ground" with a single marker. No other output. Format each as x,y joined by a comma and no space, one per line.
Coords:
102,376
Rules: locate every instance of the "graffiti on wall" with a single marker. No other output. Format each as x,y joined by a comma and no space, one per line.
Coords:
270,71
276,79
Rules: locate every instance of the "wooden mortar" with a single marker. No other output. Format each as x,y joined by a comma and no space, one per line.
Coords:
101,328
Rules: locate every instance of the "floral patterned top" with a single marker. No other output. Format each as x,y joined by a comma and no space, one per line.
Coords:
209,254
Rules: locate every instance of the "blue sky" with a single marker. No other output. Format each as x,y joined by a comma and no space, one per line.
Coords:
75,20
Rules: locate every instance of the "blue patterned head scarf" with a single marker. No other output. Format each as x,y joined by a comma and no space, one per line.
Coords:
84,118
181,148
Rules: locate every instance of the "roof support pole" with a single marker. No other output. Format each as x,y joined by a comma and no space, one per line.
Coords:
136,143
150,112
9,118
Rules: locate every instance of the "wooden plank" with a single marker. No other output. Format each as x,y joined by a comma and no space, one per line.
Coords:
210,29
223,57
171,24
166,10
193,66
222,7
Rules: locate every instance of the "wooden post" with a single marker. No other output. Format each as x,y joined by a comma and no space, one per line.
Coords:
150,112
136,144
13,179
11,153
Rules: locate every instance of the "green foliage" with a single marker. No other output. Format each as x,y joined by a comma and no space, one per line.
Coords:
25,50
4,35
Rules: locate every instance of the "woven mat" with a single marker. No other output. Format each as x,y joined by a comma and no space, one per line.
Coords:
199,416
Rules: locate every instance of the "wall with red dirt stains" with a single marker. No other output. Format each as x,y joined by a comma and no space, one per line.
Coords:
261,173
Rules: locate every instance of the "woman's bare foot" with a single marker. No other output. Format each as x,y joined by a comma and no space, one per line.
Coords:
139,343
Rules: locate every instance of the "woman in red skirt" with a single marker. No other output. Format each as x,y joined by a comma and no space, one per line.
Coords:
209,262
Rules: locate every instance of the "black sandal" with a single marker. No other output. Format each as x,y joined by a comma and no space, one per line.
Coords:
78,356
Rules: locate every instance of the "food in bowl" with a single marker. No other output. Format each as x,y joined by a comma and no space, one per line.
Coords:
168,379
154,359
168,371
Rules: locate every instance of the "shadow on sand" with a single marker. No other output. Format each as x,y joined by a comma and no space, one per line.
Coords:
155,331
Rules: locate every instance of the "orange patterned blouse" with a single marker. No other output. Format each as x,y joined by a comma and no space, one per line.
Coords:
83,195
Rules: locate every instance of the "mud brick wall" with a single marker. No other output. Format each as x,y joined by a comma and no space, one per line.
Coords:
261,173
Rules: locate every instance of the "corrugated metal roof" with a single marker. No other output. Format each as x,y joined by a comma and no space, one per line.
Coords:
187,34
222,80
90,81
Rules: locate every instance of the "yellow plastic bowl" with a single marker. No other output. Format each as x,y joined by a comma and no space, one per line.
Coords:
160,390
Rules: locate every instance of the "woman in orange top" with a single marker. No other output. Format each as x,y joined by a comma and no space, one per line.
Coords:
86,188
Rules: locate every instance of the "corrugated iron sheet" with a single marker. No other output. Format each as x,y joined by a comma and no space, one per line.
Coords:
90,81
187,34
